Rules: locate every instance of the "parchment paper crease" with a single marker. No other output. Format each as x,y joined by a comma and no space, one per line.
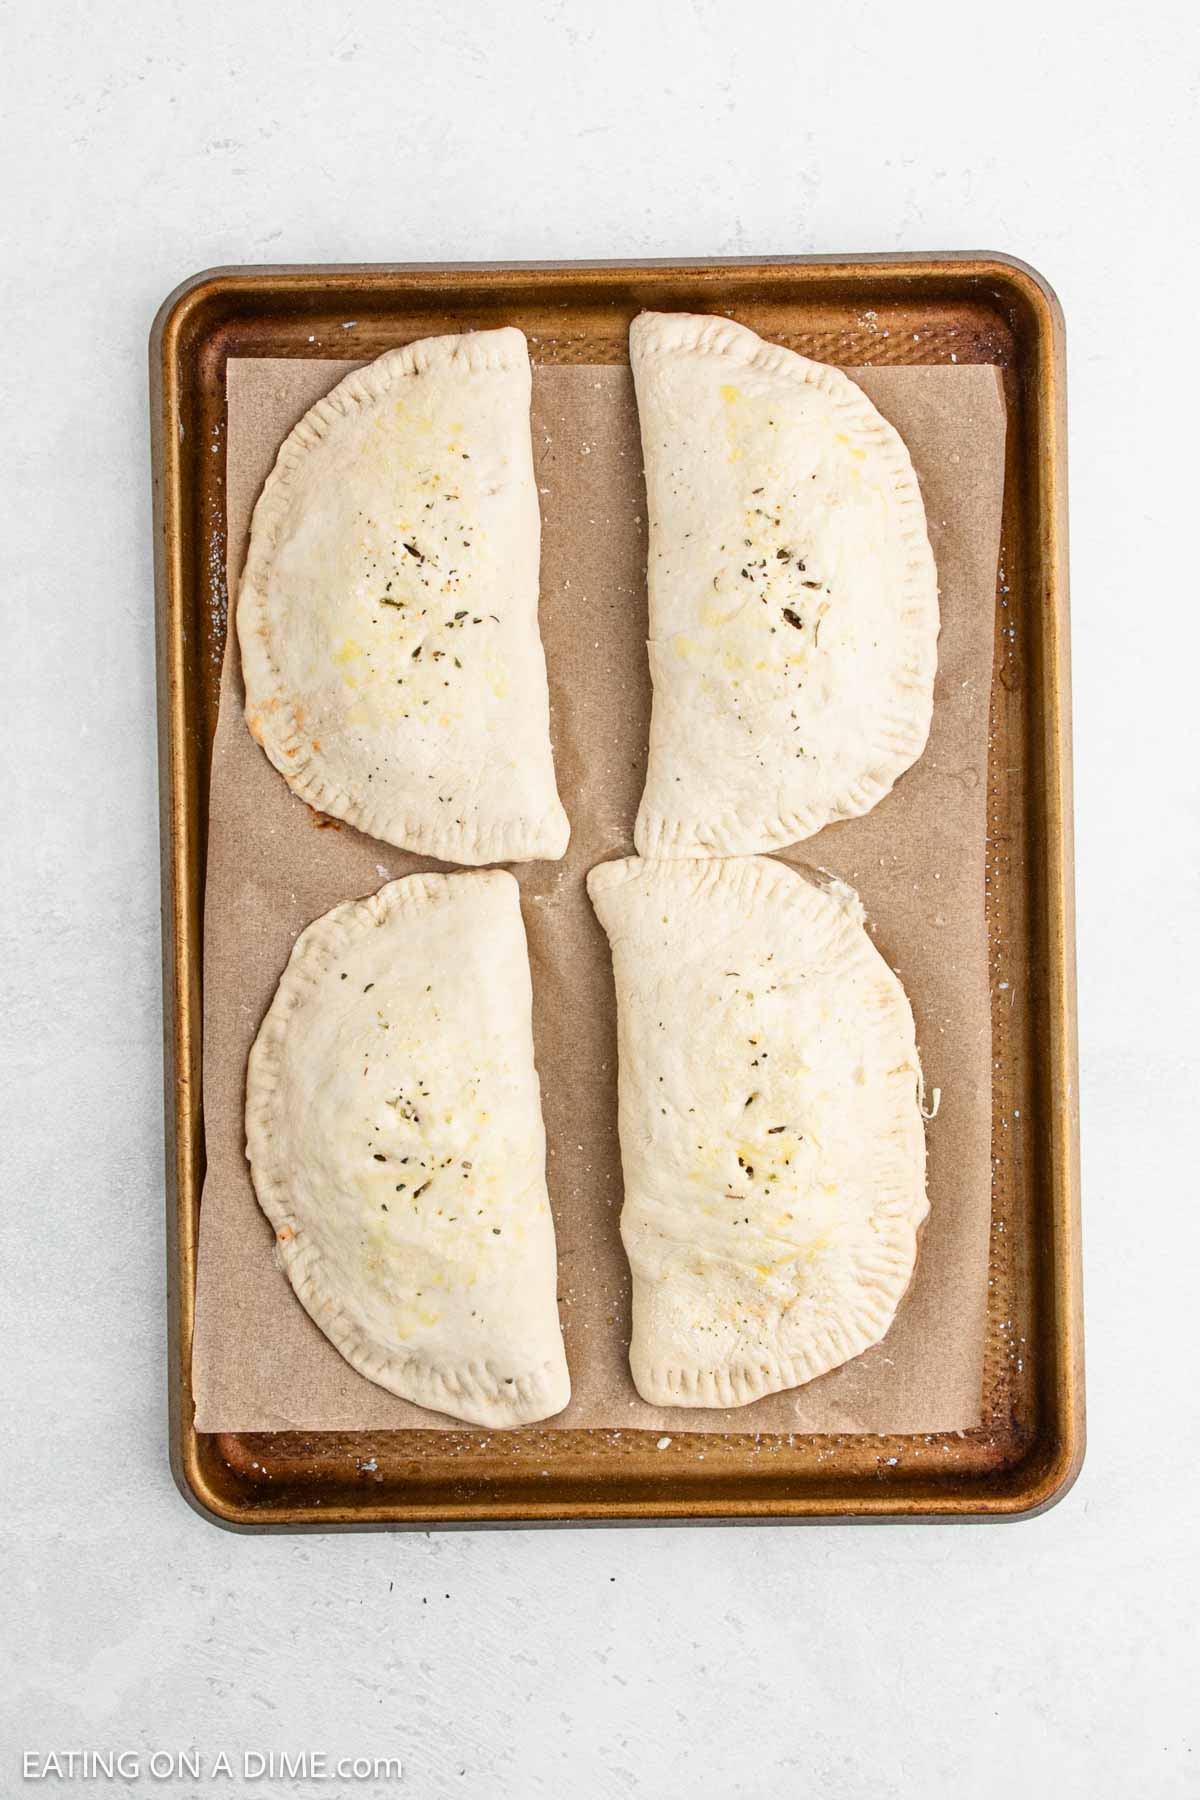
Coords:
918,861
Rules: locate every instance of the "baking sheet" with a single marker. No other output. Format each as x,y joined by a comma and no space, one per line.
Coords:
918,861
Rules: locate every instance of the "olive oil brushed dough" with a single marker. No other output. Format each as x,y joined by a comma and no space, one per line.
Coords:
793,595
770,1122
394,1131
387,614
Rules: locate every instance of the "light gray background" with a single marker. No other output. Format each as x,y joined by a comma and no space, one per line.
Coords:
145,141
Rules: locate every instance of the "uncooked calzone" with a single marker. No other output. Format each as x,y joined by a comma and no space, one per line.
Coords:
771,1133
395,1138
388,610
793,596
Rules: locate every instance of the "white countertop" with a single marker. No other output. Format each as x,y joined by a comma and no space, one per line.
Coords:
145,141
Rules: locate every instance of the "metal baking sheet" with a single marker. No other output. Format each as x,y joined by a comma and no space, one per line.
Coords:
1029,1445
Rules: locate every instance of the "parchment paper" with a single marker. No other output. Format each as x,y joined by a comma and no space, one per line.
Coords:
917,861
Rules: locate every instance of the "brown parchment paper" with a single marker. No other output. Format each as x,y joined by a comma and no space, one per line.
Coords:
918,862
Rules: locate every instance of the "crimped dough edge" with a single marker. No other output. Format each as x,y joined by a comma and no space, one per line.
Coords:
512,840
471,1391
903,734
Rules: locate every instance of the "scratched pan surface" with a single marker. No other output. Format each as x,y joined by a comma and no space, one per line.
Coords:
1027,1449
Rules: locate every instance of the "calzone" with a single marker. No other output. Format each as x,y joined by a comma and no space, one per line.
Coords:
771,1133
793,596
395,1138
387,614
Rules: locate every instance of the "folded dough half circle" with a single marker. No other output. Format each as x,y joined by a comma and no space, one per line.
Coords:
771,1134
793,595
387,614
395,1138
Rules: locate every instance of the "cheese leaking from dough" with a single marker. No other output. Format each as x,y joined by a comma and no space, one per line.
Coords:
395,1138
793,595
771,1138
387,614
